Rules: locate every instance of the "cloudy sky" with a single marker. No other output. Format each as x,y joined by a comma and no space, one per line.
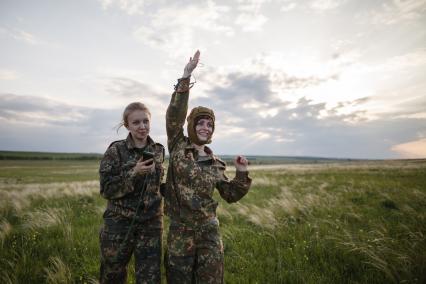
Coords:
329,78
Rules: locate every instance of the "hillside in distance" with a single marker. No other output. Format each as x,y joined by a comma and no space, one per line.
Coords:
254,159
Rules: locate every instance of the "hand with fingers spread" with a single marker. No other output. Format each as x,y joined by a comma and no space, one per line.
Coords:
190,66
241,163
144,167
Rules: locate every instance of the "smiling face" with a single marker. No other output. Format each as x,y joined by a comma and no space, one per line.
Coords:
138,124
204,129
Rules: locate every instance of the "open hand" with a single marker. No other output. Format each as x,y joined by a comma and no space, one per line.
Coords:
190,66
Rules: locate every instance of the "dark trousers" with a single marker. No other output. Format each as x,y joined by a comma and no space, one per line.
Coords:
144,242
194,254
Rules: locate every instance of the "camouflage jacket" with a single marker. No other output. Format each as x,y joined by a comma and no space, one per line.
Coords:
123,188
191,180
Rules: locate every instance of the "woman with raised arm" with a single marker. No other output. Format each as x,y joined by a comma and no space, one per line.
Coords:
130,175
194,246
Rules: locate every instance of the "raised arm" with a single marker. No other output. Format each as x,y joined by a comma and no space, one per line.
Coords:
178,107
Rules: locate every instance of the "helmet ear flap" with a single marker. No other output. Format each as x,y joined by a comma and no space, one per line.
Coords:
192,118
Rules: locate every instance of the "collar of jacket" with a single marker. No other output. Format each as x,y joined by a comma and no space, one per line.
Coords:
194,151
131,145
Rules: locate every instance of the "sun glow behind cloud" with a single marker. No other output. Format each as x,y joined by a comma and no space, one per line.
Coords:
412,149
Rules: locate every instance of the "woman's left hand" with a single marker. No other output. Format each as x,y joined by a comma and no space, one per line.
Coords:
241,163
190,66
144,167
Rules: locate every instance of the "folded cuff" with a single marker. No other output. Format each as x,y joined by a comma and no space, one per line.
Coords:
242,175
183,85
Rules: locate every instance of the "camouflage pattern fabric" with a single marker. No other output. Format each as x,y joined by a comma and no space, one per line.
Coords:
190,183
194,254
189,202
124,189
145,243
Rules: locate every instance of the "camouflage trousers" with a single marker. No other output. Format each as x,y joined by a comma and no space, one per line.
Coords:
144,242
194,254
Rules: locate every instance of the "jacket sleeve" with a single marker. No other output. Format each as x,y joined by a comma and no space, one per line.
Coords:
234,190
159,160
176,113
116,179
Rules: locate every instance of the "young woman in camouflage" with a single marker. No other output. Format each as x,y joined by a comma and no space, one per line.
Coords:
194,246
133,217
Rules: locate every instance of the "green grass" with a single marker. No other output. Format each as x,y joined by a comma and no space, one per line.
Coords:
47,171
358,222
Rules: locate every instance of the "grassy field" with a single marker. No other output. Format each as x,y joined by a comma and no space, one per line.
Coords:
356,222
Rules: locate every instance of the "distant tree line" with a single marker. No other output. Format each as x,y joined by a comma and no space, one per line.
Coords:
254,159
16,155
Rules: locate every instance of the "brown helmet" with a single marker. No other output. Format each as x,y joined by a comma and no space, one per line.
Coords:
192,119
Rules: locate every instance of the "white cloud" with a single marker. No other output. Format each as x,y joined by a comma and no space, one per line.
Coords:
414,58
385,67
206,15
250,18
302,78
271,112
251,22
324,5
288,6
251,5
174,28
340,83
153,37
8,75
247,100
130,89
31,110
131,7
56,126
398,11
412,149
413,115
259,135
227,129
22,36
253,104
26,37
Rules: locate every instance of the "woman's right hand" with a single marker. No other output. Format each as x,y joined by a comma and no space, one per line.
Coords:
190,66
241,163
144,167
